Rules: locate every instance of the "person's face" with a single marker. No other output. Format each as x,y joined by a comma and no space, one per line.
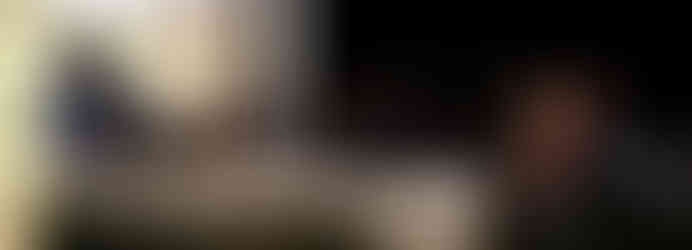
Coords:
192,59
194,62
557,123
555,126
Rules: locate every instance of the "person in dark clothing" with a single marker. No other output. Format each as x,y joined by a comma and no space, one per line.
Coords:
558,116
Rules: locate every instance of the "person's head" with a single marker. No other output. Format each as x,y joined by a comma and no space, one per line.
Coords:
555,113
193,61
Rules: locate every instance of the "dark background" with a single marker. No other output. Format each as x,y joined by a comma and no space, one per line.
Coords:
421,69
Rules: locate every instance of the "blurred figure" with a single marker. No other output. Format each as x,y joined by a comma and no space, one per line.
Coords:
184,118
557,114
553,131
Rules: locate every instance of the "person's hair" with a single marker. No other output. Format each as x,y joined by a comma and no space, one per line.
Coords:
580,71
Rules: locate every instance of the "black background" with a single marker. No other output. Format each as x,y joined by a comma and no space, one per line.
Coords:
422,68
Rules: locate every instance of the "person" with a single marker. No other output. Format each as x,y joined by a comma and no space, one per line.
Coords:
184,131
557,114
